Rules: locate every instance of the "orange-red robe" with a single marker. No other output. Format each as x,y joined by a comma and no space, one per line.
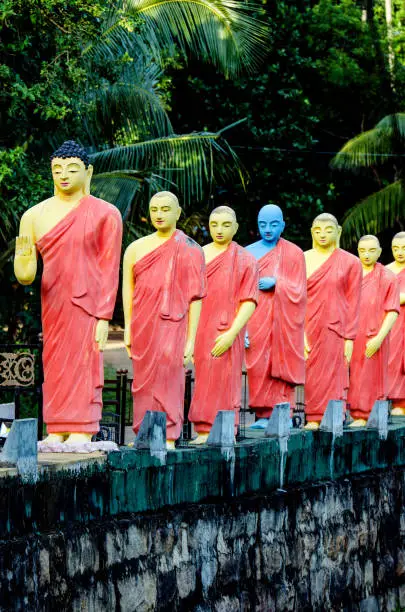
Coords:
368,377
396,359
232,278
167,280
81,257
275,359
332,316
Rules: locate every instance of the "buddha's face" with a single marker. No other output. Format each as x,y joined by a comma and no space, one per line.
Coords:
369,251
398,250
270,223
69,175
223,227
164,213
325,234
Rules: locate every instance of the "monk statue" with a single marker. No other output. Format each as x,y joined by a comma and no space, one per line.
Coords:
275,337
232,279
379,308
396,359
333,297
163,285
79,239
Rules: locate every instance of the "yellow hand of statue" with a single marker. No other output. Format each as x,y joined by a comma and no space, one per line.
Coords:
188,353
25,260
348,350
24,248
222,343
307,348
372,346
127,341
101,334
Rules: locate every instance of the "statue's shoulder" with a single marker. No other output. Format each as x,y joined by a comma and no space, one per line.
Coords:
105,208
189,242
246,255
253,246
34,211
349,257
291,247
310,254
136,247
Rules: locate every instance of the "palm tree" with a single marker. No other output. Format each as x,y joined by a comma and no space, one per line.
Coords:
129,132
380,211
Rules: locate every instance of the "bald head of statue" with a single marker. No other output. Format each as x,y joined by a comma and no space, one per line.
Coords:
271,223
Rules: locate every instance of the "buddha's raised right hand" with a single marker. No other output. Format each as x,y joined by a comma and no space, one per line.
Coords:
25,248
25,261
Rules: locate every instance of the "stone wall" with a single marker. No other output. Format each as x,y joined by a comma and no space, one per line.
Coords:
330,546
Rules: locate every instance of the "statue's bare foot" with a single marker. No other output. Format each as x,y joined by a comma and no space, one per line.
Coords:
170,444
200,439
260,424
398,411
312,425
79,438
358,423
55,437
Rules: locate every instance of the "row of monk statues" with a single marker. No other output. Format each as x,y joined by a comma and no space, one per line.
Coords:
295,318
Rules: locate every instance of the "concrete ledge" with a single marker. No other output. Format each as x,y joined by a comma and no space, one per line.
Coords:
130,482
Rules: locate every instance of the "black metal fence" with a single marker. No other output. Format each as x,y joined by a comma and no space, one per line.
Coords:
21,378
117,412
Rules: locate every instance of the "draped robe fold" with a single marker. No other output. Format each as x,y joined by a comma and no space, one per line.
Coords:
368,376
396,359
332,315
232,278
166,280
275,358
81,256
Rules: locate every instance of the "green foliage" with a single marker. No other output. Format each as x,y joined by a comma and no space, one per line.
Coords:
97,72
384,209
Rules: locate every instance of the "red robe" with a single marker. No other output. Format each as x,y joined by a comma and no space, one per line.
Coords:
81,257
167,280
332,316
275,359
232,278
396,359
368,377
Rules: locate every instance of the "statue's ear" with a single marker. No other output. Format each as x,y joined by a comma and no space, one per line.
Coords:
178,213
88,180
339,235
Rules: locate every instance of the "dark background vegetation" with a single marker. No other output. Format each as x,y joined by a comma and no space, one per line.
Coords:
324,79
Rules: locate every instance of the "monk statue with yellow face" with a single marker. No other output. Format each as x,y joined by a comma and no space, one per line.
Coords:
333,296
163,284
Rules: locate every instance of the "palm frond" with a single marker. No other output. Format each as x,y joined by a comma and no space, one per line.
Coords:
119,188
125,189
221,31
133,105
365,150
376,213
192,163
395,122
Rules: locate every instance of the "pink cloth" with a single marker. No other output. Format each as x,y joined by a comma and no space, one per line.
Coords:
81,256
275,359
368,377
167,280
332,316
396,359
232,278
